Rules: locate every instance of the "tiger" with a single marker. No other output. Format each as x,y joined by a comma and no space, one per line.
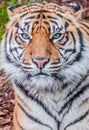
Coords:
45,53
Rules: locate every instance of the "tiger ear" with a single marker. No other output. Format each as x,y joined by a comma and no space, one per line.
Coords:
75,9
12,10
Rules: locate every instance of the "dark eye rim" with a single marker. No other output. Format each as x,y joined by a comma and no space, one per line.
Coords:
60,36
25,36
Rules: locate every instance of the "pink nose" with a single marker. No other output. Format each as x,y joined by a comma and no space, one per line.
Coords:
40,61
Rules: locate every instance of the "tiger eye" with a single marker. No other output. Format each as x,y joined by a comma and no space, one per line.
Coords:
57,35
25,35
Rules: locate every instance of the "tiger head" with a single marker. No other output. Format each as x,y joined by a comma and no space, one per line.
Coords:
45,45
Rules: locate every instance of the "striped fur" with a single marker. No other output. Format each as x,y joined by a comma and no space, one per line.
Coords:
53,95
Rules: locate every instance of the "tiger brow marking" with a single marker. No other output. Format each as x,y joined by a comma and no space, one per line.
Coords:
60,11
43,16
59,15
47,23
30,17
40,11
24,14
54,22
38,16
51,17
66,25
17,25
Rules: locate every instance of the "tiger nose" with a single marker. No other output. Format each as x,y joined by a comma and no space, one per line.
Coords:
40,61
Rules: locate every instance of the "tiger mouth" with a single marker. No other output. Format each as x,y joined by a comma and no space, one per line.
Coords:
40,74
44,76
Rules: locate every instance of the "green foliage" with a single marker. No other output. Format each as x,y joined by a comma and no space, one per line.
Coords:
3,12
12,2
3,20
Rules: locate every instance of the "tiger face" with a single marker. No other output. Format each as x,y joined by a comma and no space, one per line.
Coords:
43,46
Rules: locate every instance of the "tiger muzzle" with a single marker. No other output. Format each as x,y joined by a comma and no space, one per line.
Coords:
40,61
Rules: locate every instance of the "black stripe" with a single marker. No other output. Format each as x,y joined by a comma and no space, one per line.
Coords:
6,54
84,102
24,14
11,36
17,25
74,96
78,120
69,50
10,49
86,27
53,63
26,68
35,23
38,16
67,39
76,87
60,10
74,40
43,16
18,122
50,17
84,24
16,39
54,22
66,25
79,54
47,23
40,11
31,17
24,10
14,7
22,88
33,118
59,15
20,126
54,67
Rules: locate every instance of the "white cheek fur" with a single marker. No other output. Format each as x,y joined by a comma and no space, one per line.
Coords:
71,73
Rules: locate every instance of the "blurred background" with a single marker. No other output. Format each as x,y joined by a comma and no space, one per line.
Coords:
6,90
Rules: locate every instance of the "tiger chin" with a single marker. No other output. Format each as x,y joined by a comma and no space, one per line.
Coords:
45,53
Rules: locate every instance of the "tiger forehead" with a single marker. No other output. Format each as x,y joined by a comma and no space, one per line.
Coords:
42,11
45,7
42,16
